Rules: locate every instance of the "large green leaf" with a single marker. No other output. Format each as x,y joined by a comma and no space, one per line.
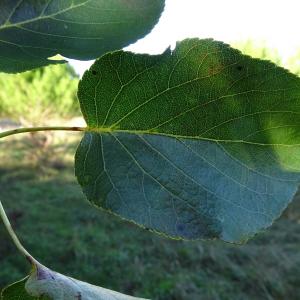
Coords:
31,31
201,142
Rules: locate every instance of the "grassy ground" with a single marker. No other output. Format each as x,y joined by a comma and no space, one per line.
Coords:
63,231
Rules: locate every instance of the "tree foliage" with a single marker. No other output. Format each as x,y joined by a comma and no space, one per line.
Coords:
41,92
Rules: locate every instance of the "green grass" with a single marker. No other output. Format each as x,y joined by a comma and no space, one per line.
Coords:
61,229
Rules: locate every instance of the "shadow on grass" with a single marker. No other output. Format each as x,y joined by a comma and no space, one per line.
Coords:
62,230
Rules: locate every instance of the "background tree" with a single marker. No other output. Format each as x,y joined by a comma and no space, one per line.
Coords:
39,93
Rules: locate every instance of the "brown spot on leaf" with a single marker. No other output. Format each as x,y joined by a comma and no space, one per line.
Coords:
215,69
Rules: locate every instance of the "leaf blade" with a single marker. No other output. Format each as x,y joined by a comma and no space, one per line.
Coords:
237,141
45,284
30,32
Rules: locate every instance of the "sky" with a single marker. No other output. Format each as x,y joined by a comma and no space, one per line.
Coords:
275,22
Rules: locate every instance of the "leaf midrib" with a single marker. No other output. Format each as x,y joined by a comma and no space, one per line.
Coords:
109,130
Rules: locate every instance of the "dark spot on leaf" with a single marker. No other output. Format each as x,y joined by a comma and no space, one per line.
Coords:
78,296
180,227
94,72
239,68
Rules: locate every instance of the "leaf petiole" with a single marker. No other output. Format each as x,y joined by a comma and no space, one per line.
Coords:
37,129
